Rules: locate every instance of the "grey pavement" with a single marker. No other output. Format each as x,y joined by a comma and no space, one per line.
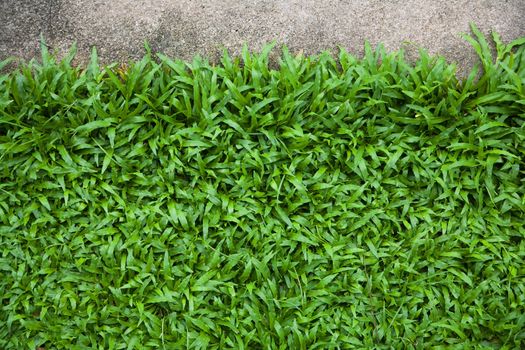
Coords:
183,28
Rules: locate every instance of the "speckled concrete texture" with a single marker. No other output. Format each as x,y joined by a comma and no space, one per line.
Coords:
183,28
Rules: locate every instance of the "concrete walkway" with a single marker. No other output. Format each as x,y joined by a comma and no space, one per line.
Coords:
183,28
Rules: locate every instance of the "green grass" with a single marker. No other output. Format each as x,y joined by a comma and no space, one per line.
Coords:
331,203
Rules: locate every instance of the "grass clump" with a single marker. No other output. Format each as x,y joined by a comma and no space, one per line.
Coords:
330,203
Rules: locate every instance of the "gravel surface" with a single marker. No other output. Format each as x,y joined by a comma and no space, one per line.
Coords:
183,28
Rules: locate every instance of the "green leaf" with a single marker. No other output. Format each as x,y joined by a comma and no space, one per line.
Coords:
97,124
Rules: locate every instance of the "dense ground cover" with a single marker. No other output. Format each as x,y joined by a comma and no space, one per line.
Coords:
327,203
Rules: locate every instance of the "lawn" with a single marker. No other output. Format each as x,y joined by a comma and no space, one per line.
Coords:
326,202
